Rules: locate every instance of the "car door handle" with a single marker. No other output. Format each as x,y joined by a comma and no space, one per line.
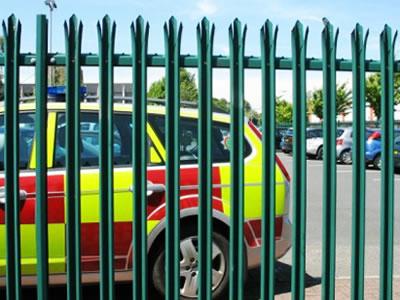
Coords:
152,188
22,195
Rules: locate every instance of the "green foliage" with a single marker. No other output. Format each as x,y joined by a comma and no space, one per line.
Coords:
373,92
343,101
189,93
157,89
188,85
59,76
188,88
221,105
314,103
284,111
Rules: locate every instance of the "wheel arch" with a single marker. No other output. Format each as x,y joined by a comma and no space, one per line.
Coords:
157,235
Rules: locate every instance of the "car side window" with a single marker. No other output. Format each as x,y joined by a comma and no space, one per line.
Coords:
90,140
26,136
189,139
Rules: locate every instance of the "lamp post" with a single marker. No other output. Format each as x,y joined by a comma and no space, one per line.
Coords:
52,6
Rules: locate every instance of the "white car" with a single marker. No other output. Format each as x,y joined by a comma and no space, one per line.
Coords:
315,142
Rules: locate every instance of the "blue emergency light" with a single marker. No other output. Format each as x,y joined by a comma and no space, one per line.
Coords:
57,93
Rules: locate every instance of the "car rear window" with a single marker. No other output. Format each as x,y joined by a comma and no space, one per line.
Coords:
189,139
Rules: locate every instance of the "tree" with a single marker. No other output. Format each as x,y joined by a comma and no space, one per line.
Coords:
188,88
373,92
189,92
314,103
221,105
284,111
343,101
59,76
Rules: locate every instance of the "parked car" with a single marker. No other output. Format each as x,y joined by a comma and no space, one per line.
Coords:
279,132
344,144
123,205
373,148
397,153
287,140
315,142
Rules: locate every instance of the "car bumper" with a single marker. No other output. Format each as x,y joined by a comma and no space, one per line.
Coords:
282,245
369,157
397,162
312,150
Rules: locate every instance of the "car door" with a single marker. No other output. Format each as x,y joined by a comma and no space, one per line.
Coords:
90,177
27,206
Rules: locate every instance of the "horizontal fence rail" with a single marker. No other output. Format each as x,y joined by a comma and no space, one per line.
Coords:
197,271
191,61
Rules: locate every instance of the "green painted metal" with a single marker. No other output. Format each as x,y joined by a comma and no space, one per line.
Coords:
42,268
387,170
140,36
358,43
106,40
73,43
12,42
205,38
172,40
237,253
299,47
218,61
329,43
268,39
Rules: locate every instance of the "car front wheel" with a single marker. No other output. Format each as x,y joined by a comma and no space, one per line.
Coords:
377,162
189,266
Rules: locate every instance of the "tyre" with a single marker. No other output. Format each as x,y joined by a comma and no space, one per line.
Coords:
189,266
345,157
377,162
320,153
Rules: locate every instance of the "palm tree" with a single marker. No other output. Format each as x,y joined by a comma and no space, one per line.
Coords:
343,101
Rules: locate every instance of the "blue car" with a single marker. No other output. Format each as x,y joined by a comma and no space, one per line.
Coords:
373,148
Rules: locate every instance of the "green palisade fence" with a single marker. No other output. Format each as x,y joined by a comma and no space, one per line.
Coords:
205,61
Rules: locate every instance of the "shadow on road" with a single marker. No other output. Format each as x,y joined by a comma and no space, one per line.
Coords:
282,281
124,291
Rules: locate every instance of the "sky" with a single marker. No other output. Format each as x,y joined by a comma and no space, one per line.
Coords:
373,15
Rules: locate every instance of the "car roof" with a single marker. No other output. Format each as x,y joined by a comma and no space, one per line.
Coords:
122,107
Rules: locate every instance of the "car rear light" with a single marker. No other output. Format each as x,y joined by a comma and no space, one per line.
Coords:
339,142
282,167
375,136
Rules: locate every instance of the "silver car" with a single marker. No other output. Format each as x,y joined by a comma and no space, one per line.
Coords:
344,143
315,142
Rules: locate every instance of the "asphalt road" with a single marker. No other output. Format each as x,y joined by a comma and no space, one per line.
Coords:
344,219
